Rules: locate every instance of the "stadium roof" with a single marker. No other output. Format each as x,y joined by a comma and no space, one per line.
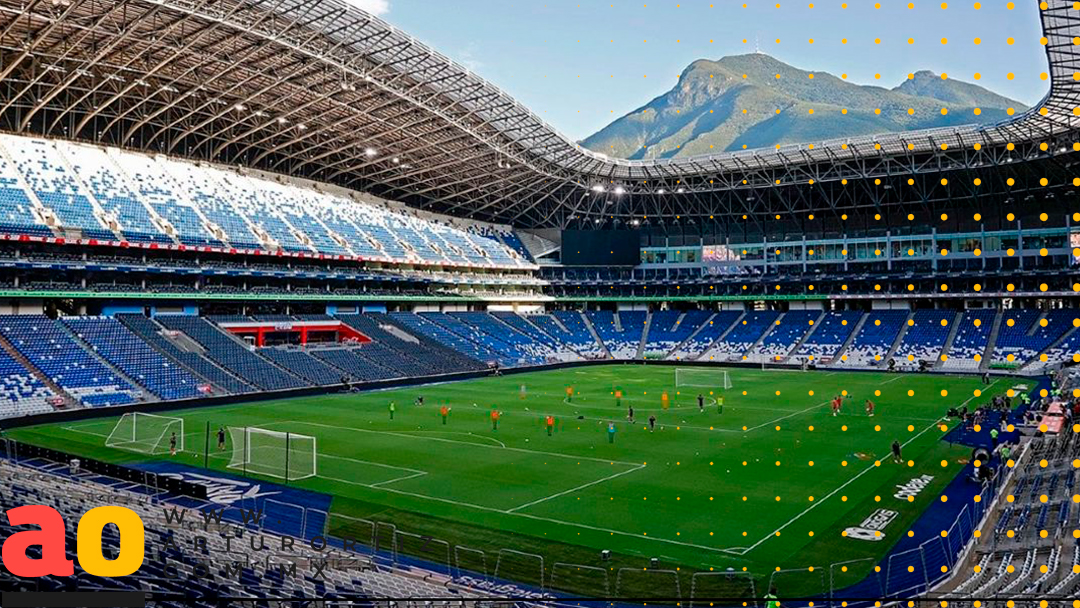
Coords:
322,90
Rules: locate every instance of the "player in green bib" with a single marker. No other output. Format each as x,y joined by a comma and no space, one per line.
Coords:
719,404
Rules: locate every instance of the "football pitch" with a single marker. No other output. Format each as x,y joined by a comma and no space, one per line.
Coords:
770,482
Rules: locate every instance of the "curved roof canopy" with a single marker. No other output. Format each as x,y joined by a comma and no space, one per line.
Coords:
322,90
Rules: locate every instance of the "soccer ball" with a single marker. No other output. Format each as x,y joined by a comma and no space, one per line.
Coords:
526,441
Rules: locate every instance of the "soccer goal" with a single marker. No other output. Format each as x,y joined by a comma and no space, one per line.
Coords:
147,433
702,377
288,456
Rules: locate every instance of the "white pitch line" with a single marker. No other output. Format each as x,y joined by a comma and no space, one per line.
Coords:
831,494
898,377
754,428
571,490
444,440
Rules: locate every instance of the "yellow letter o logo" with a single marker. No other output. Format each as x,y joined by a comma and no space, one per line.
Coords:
132,541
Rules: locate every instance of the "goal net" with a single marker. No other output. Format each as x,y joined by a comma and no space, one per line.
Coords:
147,433
288,456
702,377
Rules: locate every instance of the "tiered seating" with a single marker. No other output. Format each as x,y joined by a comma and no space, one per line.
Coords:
971,339
669,328
43,169
359,368
786,333
406,347
622,341
925,337
176,565
53,351
832,332
150,332
1013,345
304,365
734,346
1066,350
715,327
557,347
576,333
427,326
874,340
111,191
21,394
233,356
128,353
521,345
148,199
158,190
16,209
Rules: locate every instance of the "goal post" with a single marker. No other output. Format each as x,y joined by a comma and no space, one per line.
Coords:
146,433
284,455
702,377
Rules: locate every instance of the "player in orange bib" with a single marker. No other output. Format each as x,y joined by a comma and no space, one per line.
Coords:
445,411
495,419
665,401
550,421
569,394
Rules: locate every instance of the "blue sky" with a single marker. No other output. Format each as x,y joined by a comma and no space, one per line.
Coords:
580,64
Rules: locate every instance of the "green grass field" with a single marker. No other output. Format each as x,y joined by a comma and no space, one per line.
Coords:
771,482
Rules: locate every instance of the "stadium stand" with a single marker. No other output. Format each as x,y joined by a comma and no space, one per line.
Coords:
788,331
155,335
972,337
1013,345
696,344
128,353
874,340
745,334
22,394
670,328
49,348
925,338
230,354
303,364
531,326
405,347
621,332
829,336
579,335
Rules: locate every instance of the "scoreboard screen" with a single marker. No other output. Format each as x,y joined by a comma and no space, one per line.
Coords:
601,247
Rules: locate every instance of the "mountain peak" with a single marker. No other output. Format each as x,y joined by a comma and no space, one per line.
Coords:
738,100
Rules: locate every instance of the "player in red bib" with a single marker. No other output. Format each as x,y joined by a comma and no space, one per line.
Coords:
550,421
869,407
836,402
495,419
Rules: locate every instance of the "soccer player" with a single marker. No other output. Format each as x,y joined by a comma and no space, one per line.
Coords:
495,419
221,438
719,404
569,394
393,408
836,403
172,444
664,400
420,400
701,403
630,413
618,398
869,408
521,392
611,432
550,422
444,411
652,423
896,455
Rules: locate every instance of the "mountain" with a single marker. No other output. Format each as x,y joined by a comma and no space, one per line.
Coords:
714,104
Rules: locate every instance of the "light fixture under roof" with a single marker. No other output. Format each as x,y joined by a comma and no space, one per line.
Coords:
597,188
619,190
369,152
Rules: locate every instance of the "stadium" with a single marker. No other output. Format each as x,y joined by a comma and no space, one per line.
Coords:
343,322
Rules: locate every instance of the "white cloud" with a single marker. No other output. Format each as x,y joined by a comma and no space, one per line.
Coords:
375,7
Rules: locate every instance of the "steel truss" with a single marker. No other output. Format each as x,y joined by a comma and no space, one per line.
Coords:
321,90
